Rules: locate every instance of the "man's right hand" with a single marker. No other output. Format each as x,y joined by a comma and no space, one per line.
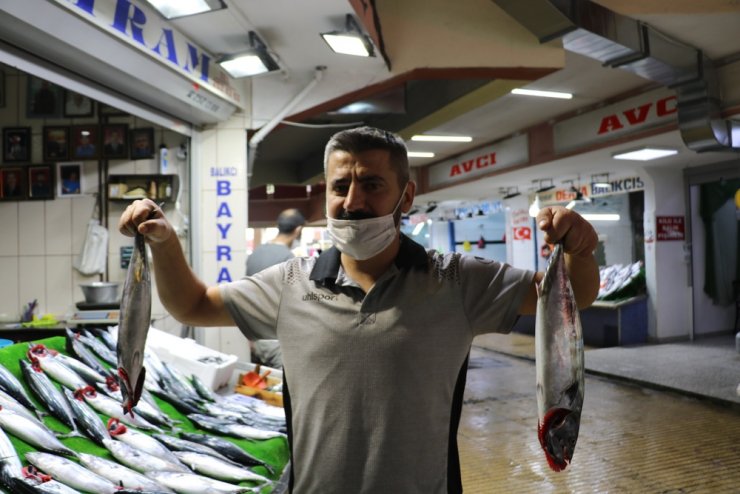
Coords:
146,217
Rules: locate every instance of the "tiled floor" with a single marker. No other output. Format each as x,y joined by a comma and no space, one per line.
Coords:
633,438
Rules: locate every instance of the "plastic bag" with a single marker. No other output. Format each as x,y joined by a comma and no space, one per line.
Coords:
93,257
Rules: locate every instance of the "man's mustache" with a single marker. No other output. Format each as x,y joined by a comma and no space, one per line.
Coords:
355,215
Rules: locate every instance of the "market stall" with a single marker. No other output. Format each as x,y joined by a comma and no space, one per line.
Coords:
204,416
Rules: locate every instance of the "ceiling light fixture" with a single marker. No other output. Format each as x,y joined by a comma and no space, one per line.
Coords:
512,192
432,138
646,153
545,187
419,154
351,41
541,94
172,9
430,207
254,61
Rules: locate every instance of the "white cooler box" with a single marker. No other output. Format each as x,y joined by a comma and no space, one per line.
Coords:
212,367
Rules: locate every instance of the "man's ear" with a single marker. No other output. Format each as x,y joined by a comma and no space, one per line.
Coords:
409,195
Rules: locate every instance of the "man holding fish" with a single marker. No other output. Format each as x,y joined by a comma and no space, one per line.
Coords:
376,331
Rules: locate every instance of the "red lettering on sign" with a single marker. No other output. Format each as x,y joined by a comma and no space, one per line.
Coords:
636,116
666,106
478,162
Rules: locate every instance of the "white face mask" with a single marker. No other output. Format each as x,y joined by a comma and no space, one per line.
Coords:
363,239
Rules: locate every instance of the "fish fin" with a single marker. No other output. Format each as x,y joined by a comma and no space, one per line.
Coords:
139,386
74,433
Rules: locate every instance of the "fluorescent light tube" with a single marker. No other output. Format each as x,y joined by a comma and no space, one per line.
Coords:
418,228
645,154
420,154
431,138
542,94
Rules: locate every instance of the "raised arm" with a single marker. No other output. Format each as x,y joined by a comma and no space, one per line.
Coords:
183,294
579,242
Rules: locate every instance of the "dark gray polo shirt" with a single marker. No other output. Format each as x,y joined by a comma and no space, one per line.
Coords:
375,381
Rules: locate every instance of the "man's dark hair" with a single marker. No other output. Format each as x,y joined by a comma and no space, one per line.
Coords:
289,220
366,138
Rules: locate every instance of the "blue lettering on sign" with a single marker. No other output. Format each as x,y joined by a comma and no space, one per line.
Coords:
230,171
169,43
224,276
223,187
224,229
125,15
223,251
85,5
193,62
223,210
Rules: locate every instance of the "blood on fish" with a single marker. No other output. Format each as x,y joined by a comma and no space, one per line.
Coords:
553,418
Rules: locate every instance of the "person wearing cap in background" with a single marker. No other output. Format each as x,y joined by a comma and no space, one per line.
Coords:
290,223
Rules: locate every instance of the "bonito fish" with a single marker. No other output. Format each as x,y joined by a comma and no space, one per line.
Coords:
559,363
70,473
136,311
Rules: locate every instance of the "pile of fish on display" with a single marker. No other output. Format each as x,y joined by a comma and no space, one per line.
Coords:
618,281
145,451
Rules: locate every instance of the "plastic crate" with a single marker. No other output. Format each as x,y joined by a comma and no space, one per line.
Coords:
191,358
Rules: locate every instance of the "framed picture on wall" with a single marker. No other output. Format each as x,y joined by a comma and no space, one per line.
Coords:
40,182
142,143
43,99
110,111
69,179
56,143
84,142
77,105
12,183
115,141
16,144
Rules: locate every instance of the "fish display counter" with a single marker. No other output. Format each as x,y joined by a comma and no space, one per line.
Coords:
63,429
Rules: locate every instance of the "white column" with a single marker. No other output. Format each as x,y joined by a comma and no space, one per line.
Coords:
520,233
666,269
220,218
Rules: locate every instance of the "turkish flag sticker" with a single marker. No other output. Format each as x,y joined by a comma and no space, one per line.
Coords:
522,233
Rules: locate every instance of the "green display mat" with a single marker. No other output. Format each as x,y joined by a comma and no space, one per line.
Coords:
274,452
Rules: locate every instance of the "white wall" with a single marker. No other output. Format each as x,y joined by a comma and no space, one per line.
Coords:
666,269
41,239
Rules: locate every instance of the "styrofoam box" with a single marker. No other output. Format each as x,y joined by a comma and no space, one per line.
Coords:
184,354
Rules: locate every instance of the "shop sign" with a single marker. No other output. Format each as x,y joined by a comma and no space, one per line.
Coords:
616,186
141,27
481,161
669,228
658,107
619,186
227,237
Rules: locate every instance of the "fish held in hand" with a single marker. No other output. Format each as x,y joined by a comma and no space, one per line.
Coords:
136,309
559,364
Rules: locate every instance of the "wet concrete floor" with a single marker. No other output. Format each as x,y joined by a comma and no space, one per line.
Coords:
632,439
